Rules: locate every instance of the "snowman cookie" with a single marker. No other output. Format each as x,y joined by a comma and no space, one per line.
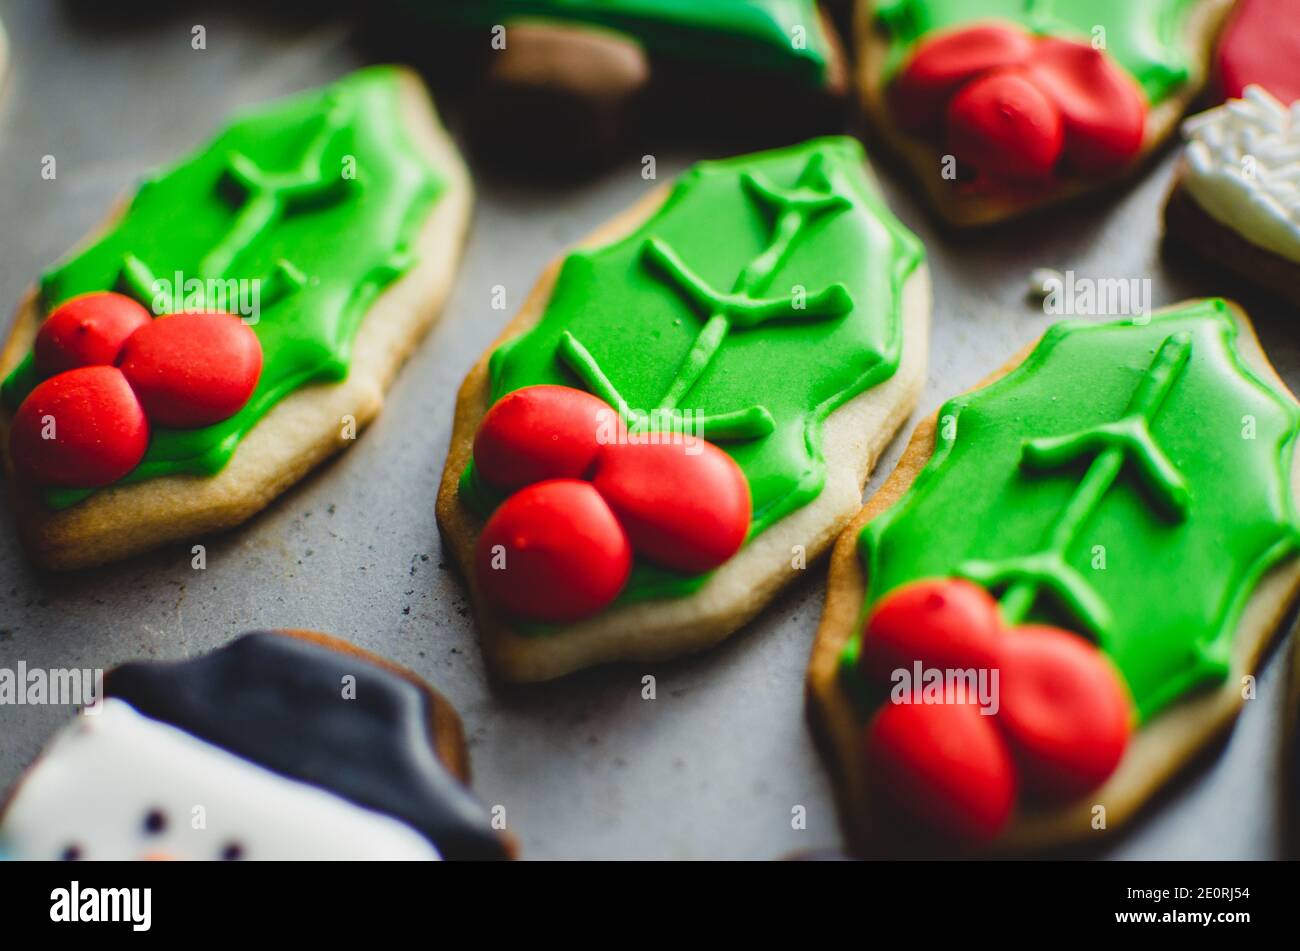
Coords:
217,339
1002,107
685,412
565,85
1057,599
1236,195
280,745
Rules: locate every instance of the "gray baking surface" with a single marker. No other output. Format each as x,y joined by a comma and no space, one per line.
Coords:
584,767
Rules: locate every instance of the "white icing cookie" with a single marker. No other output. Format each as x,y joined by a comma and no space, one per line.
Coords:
1243,169
119,785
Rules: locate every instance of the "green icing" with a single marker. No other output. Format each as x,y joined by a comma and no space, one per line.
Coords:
319,198
771,35
763,294
1129,481
1146,37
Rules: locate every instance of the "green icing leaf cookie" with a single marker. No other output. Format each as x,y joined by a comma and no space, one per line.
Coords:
1129,481
312,204
763,294
770,35
1146,37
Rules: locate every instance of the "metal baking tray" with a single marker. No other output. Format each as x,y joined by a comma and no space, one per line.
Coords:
713,767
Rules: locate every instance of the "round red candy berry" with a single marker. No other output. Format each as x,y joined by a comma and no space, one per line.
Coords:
1003,126
684,505
1064,709
192,370
946,766
553,551
944,623
541,432
87,331
81,429
1102,109
945,62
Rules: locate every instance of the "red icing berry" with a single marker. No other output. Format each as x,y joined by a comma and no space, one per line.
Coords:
1003,126
1103,110
553,551
947,61
944,623
1261,46
541,432
87,331
96,429
192,370
1064,710
946,765
684,506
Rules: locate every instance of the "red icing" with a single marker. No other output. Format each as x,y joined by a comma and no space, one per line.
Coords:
192,370
85,331
943,623
1064,710
945,62
1261,46
541,432
946,765
1005,127
565,555
1059,708
99,428
685,507
1017,108
1102,107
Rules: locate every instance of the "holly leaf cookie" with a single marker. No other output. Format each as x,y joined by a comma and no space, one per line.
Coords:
219,338
684,412
562,86
1049,608
280,745
1002,107
1236,195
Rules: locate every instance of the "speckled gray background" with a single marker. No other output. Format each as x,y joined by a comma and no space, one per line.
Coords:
585,768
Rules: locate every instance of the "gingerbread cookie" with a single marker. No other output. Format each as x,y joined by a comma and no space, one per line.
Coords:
1002,107
1236,194
685,411
1260,46
1291,757
280,745
566,85
1126,492
134,414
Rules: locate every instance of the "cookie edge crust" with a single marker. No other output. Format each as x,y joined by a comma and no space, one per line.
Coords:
297,434
1158,751
854,436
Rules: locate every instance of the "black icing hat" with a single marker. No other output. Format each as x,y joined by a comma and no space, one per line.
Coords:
277,700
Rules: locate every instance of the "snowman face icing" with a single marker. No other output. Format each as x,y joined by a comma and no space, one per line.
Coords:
119,785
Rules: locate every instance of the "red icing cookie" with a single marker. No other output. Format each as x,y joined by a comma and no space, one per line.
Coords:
944,63
944,623
1017,108
79,429
1102,108
541,432
946,765
554,552
192,370
1261,46
685,507
86,331
1004,126
1064,710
